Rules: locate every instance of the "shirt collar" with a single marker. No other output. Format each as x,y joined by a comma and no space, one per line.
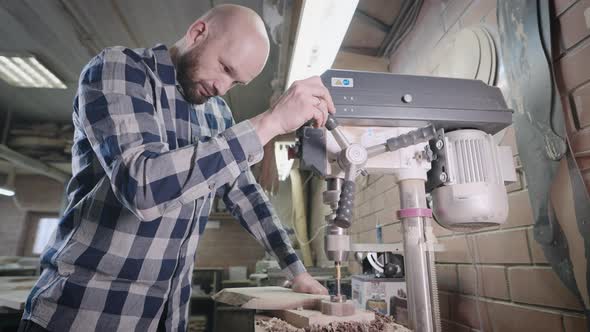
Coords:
163,65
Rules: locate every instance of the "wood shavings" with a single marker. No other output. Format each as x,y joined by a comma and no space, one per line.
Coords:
275,325
380,324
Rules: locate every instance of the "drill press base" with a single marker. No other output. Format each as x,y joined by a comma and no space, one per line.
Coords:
339,309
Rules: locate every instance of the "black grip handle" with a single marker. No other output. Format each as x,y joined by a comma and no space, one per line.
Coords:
344,213
331,123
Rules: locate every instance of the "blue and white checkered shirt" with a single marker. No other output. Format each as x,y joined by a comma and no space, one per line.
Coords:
146,166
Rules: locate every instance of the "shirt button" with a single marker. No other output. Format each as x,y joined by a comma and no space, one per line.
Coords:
195,138
251,158
212,185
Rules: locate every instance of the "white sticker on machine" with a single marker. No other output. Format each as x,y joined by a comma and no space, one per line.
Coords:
342,82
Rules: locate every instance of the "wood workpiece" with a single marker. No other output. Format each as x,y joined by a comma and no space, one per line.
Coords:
340,309
268,298
299,310
15,290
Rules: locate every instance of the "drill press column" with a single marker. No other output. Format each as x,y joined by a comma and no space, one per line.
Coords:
421,282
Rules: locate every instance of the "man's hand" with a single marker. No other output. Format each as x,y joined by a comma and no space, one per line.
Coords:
305,283
304,100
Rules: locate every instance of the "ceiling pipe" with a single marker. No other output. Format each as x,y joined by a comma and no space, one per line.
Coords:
33,165
7,120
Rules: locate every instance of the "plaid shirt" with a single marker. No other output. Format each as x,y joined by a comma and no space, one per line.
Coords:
146,166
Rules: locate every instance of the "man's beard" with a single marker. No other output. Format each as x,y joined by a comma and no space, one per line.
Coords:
186,66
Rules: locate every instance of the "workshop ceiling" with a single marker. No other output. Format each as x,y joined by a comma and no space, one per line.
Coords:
372,22
65,34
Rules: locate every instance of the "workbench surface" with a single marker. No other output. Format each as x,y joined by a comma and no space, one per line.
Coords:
15,290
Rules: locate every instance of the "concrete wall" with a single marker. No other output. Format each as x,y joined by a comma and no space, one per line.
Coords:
229,245
516,289
12,221
35,196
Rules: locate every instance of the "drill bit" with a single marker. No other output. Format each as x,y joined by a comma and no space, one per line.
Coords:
338,277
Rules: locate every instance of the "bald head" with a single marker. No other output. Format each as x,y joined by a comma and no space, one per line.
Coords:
234,18
226,46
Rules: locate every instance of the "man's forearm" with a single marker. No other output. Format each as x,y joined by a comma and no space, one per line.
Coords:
264,127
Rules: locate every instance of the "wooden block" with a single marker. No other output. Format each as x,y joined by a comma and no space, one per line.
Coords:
269,298
339,309
305,318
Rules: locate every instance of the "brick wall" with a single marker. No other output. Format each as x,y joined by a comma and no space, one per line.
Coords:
231,245
228,245
572,24
516,290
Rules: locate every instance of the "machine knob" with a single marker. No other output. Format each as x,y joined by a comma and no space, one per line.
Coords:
331,123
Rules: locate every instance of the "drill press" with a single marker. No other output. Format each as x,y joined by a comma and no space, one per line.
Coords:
432,134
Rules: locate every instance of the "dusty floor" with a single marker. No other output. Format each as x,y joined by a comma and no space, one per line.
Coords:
381,323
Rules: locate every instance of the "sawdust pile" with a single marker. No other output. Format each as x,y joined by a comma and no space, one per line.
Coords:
381,323
276,325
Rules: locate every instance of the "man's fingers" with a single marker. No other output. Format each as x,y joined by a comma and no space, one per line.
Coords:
317,89
323,93
322,107
318,116
319,111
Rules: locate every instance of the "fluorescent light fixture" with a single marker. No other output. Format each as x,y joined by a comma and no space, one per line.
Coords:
284,165
6,192
8,188
25,71
322,27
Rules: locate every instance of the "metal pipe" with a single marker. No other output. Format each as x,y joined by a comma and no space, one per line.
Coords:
6,130
333,184
340,138
338,279
420,307
376,150
33,165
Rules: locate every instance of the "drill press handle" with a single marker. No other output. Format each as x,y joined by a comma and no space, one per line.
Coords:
343,217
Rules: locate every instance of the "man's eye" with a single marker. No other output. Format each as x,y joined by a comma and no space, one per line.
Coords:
226,69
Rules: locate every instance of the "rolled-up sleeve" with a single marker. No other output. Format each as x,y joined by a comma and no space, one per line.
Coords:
247,202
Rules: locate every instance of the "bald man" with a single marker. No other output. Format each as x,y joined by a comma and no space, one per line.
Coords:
153,145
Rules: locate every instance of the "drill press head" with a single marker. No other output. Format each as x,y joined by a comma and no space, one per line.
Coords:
456,118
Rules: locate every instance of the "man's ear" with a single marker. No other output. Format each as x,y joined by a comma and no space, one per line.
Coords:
197,33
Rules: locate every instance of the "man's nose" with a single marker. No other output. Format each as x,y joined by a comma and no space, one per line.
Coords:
222,87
